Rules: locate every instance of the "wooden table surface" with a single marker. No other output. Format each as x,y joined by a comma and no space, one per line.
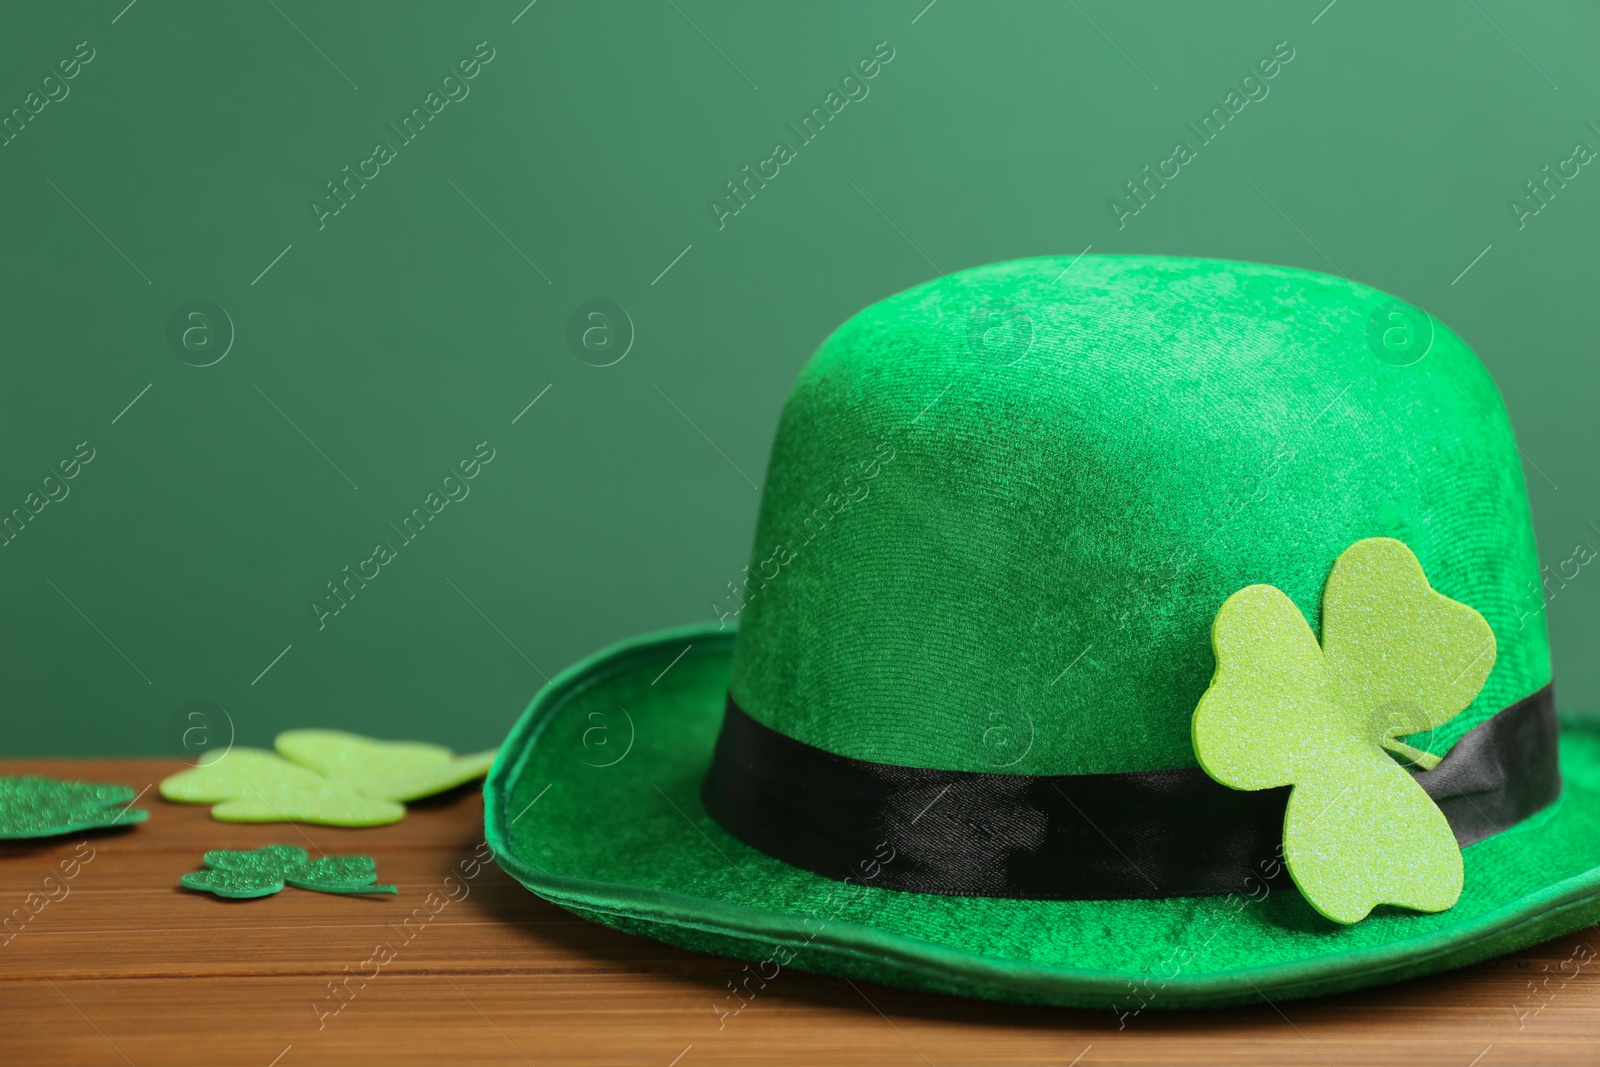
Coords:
121,966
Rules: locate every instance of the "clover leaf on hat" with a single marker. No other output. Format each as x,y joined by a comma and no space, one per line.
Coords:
260,872
328,777
1396,658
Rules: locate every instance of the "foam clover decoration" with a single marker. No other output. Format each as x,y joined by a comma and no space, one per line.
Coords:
1396,658
382,770
253,785
323,776
44,807
260,872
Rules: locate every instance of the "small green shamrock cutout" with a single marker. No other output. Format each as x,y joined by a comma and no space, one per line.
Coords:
44,807
260,872
1396,658
323,776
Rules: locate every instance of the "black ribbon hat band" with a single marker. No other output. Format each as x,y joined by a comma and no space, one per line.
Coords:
1146,834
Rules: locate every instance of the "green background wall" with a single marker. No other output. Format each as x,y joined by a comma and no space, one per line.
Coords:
384,346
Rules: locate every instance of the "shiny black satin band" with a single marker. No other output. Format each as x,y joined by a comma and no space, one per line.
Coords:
1073,837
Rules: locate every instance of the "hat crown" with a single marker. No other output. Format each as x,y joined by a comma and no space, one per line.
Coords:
1003,507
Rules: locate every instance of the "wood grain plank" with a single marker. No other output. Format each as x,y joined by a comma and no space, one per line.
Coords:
126,967
125,915
610,1019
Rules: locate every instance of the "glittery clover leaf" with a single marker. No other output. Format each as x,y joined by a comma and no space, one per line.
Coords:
1396,658
250,785
382,770
260,872
44,807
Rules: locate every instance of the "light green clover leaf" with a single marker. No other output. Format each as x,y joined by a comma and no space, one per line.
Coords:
382,770
260,872
251,785
323,776
1396,658
43,807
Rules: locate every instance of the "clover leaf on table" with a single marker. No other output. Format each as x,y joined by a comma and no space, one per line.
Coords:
383,770
251,785
260,872
323,776
1396,658
44,807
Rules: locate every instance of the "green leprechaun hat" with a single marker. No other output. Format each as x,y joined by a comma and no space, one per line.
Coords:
1119,631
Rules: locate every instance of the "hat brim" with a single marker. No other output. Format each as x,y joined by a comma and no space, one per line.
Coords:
594,804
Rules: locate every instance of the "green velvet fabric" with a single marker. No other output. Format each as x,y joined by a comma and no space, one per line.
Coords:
629,845
1052,466
1002,511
